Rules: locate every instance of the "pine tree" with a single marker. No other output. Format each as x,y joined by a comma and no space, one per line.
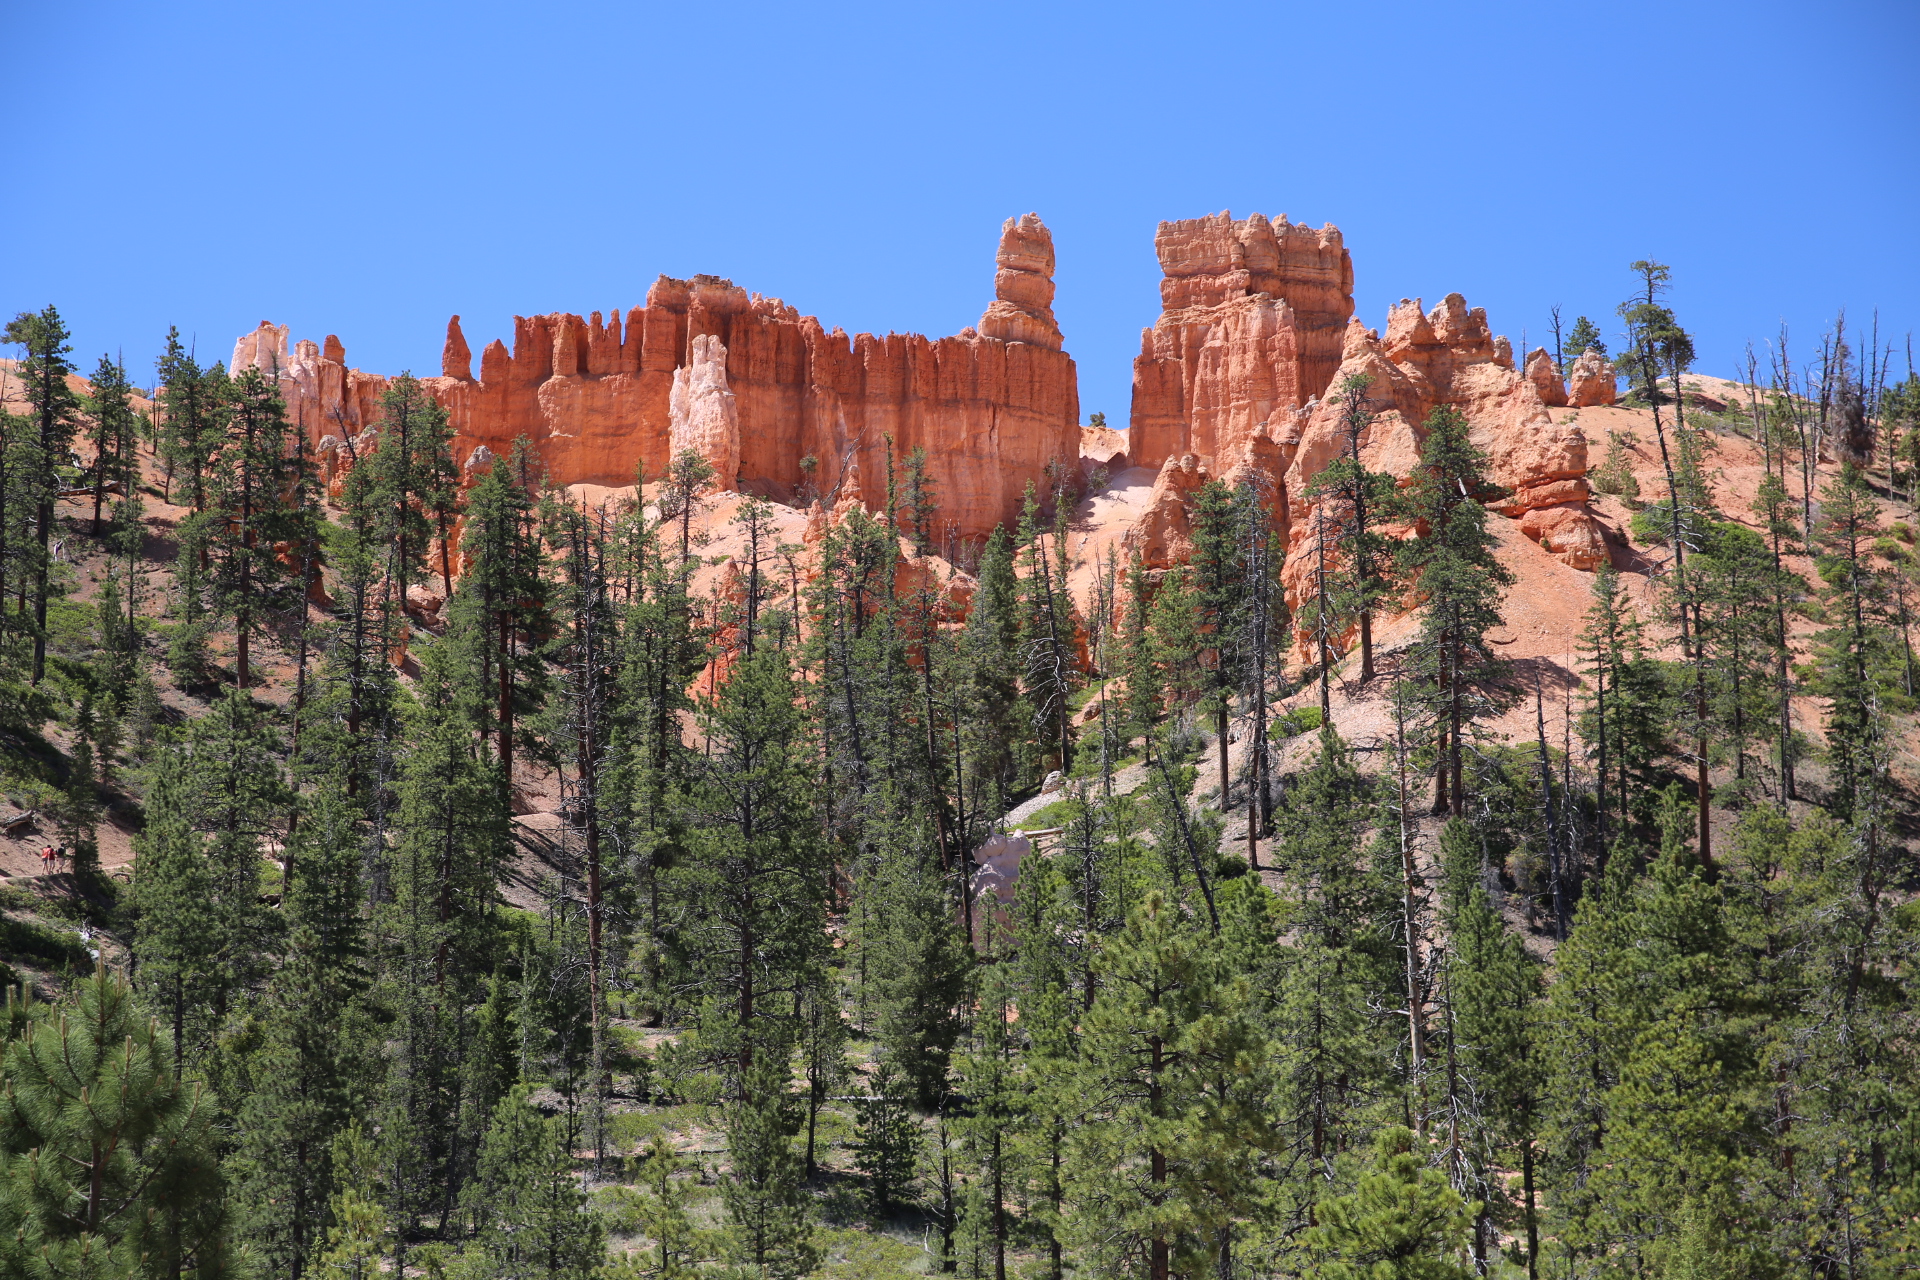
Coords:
526,1203
1219,576
301,1097
1660,347
753,879
449,845
1363,580
1582,338
673,1251
1615,473
1160,1163
190,418
919,963
1854,653
251,480
1457,586
885,1141
770,1213
1492,987
1048,665
358,1230
506,595
1144,695
1627,713
1335,1056
989,1082
105,1154
114,434
52,416
1403,1222
1652,1074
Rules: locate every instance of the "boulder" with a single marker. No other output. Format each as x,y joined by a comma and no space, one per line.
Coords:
1546,379
1570,532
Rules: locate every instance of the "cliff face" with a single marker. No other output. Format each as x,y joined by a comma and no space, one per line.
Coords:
762,390
1251,323
1446,356
324,397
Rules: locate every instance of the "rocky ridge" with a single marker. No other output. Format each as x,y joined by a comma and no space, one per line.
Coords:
813,409
1238,378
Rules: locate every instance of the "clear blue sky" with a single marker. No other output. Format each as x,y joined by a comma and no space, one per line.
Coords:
367,168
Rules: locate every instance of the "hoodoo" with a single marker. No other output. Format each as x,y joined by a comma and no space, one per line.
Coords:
774,400
1250,326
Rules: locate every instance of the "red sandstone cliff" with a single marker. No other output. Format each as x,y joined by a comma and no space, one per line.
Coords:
1426,359
1251,326
763,389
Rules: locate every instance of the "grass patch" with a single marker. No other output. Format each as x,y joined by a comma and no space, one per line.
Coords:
1048,816
1295,722
852,1254
51,948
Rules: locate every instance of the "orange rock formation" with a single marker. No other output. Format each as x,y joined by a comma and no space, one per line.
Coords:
1251,326
754,387
1594,381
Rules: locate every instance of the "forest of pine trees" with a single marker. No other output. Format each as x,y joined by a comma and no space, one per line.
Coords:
1635,998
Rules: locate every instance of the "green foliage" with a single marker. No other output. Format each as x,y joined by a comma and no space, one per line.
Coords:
1403,1222
770,1216
1295,722
1583,337
887,1139
1615,475
530,1215
105,1155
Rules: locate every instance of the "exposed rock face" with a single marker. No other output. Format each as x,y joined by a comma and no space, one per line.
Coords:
1253,313
324,397
1022,309
993,408
1546,378
1163,535
1446,356
703,414
1593,379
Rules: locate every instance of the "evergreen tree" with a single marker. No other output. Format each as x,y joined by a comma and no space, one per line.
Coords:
919,964
1160,1163
885,1141
1220,599
302,1080
190,418
1457,586
1492,987
358,1231
440,872
673,1251
308,1077
504,595
114,435
1626,715
53,413
251,480
1364,580
1403,1222
752,881
770,1213
525,1200
1582,338
105,1154
1855,657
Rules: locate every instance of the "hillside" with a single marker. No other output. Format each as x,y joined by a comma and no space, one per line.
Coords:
748,866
